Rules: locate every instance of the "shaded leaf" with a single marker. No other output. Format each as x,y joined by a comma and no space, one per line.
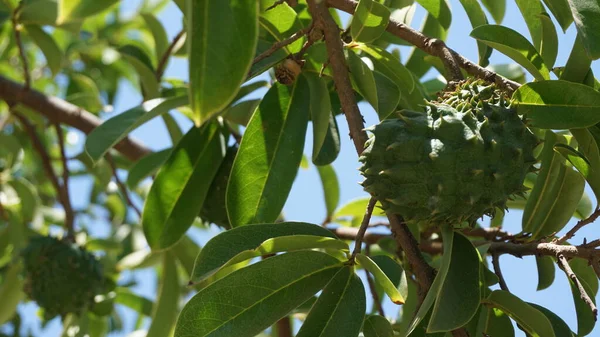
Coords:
381,278
561,11
586,14
477,18
377,326
497,8
137,58
363,78
549,44
320,110
531,11
388,95
147,166
138,303
331,188
560,327
167,303
546,271
48,46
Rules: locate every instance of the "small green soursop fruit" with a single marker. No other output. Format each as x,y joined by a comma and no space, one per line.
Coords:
60,276
214,210
461,159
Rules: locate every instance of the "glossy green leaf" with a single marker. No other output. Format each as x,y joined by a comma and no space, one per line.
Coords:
147,166
561,11
558,104
530,319
549,42
546,271
340,309
173,128
73,10
369,20
320,110
388,95
576,158
222,36
477,18
439,10
178,192
241,112
355,209
331,188
139,61
381,278
52,52
161,41
115,129
560,327
269,155
586,14
377,326
495,322
225,246
497,8
515,46
389,65
331,145
578,64
363,78
588,147
165,312
136,302
281,22
531,11
455,306
249,300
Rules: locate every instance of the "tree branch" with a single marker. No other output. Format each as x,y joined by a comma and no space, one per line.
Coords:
580,224
564,265
363,228
498,271
278,45
69,214
122,186
162,64
61,111
424,43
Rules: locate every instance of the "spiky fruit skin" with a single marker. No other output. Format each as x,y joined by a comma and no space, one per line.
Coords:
60,277
461,159
214,210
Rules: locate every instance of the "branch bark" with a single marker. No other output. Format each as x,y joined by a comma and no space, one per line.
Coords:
61,111
564,265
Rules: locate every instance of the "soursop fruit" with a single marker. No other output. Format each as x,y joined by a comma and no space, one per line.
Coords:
60,276
459,160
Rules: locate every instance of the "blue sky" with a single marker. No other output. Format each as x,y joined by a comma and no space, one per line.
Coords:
306,194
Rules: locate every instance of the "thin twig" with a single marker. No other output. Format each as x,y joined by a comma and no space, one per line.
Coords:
69,214
63,197
122,186
17,29
498,271
363,228
564,265
278,45
580,224
162,64
284,327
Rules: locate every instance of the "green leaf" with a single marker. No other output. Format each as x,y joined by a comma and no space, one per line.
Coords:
112,131
249,300
455,306
439,10
363,78
267,63
147,166
136,302
497,8
549,44
29,200
178,192
530,319
222,36
48,46
331,145
515,46
585,273
269,155
74,10
161,41
172,128
560,327
576,158
531,11
340,309
320,110
381,278
331,188
83,91
558,104
186,251
355,209
41,12
388,95
546,271
389,65
561,11
241,112
495,322
578,64
416,62
586,14
369,20
477,18
223,247
377,326
281,22
11,290
137,58
167,303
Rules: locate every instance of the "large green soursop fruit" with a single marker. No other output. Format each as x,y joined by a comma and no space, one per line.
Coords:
60,276
461,159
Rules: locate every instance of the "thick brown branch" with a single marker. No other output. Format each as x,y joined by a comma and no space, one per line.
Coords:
564,265
60,111
162,64
424,43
